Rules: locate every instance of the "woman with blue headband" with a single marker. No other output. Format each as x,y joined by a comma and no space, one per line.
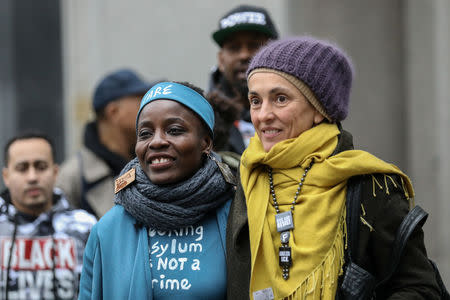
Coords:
165,237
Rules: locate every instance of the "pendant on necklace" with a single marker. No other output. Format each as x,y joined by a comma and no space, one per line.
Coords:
284,237
285,257
284,221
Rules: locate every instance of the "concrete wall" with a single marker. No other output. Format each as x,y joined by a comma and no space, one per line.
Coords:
371,33
427,48
30,70
7,85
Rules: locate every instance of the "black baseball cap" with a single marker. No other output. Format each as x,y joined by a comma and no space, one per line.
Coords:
245,17
120,83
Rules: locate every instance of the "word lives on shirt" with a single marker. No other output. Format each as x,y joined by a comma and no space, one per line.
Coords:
188,262
36,264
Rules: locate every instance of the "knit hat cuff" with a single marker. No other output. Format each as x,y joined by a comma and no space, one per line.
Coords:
300,85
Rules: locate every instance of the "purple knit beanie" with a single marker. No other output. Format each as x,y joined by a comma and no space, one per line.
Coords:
321,66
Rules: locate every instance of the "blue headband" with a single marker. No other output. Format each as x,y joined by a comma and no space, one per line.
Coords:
183,95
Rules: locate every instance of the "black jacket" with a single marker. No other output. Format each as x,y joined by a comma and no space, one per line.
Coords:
414,278
218,83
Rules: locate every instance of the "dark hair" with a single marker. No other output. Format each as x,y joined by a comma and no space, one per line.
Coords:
226,111
201,92
26,135
191,86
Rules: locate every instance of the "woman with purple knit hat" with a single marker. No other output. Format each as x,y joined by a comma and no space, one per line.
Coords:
289,236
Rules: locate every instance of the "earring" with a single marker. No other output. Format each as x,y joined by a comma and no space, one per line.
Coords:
208,155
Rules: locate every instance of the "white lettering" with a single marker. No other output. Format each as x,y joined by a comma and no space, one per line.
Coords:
184,249
182,260
173,264
154,281
14,258
44,281
199,231
163,249
167,90
156,248
193,247
284,221
243,17
38,284
162,281
185,285
185,231
174,246
65,257
172,284
47,254
5,252
157,91
196,265
66,284
162,263
189,229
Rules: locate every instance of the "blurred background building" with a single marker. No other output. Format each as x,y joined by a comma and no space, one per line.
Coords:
52,54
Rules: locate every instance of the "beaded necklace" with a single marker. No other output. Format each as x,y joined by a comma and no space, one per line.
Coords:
285,223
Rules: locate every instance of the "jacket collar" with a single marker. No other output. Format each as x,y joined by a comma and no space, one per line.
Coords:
92,142
60,204
345,141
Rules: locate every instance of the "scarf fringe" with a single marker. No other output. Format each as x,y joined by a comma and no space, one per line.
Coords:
410,199
386,185
325,275
374,180
366,223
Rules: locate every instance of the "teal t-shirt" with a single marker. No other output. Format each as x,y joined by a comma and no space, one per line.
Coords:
188,263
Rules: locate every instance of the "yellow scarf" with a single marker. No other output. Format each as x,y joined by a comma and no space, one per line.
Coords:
317,240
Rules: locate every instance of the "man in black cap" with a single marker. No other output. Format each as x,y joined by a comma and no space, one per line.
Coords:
87,178
242,31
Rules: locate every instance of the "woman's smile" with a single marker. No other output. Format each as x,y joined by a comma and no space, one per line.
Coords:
171,140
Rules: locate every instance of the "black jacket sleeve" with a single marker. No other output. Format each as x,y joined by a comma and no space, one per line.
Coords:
384,205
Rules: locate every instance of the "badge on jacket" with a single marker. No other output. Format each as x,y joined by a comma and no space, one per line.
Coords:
124,180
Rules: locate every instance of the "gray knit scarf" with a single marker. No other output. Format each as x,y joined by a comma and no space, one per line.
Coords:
177,205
